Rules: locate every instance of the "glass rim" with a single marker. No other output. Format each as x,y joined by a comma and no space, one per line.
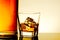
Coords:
30,13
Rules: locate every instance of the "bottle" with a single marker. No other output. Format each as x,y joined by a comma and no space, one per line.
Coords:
8,19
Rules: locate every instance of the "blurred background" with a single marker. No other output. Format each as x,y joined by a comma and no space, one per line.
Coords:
49,13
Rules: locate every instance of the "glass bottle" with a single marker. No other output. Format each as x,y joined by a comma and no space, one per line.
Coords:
8,19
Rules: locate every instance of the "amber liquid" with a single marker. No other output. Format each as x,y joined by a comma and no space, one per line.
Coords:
8,18
33,37
33,30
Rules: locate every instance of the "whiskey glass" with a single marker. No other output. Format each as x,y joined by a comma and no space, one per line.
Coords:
28,25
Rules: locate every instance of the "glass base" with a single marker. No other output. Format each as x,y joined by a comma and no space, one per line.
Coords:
35,38
8,37
29,38
27,34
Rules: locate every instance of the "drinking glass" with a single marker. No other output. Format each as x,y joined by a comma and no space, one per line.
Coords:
28,25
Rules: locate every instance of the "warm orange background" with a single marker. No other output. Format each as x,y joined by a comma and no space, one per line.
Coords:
7,15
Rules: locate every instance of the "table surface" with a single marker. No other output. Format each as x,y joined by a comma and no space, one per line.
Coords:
47,36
